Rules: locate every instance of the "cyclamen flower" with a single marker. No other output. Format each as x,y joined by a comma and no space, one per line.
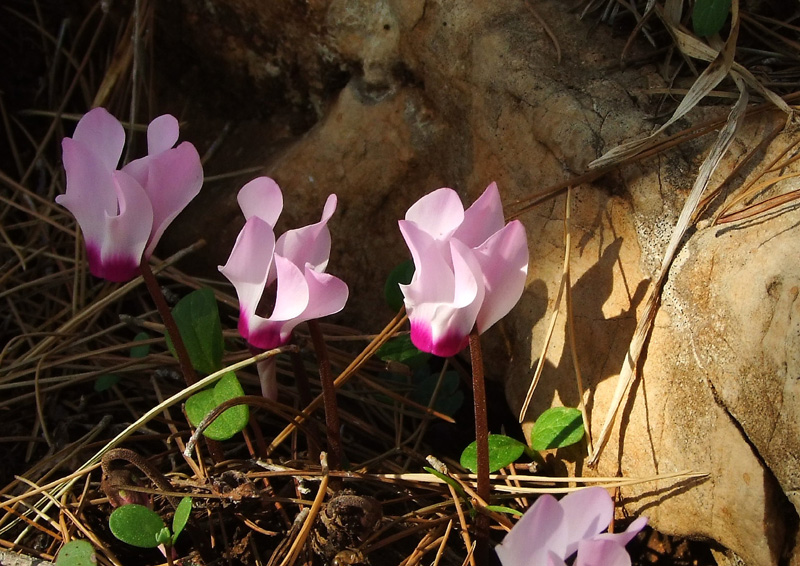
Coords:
551,531
470,268
123,213
295,263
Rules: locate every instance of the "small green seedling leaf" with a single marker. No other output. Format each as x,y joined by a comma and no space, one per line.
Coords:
401,274
181,517
106,381
401,349
556,428
77,553
502,509
448,480
708,16
164,537
136,525
197,317
503,450
228,423
141,350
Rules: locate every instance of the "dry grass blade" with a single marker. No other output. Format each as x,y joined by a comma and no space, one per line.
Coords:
645,322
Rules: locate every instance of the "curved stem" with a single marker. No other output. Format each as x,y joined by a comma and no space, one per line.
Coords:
187,369
482,443
332,424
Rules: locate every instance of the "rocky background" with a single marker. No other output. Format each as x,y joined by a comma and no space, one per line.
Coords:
382,102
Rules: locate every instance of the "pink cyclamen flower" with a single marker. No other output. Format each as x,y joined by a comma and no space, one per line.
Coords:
551,531
470,268
123,213
295,264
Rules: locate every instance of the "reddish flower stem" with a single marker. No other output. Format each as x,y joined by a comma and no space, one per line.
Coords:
482,443
187,369
328,396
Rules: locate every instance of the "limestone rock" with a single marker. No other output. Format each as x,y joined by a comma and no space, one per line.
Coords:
446,93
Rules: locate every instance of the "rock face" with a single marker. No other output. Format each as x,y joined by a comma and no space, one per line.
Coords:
446,93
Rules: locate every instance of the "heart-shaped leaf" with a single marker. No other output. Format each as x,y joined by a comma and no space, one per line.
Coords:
449,397
708,16
391,290
229,422
197,317
556,428
503,450
401,349
136,525
140,351
76,553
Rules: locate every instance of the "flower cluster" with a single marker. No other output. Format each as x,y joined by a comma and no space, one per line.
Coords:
551,531
124,212
294,263
470,268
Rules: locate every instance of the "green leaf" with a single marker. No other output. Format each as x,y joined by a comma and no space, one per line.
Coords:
142,350
106,382
708,16
228,423
181,517
503,450
449,398
401,349
164,537
197,317
448,480
391,290
136,525
77,553
502,509
556,428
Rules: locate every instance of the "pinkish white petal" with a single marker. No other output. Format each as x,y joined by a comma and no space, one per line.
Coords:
261,197
248,268
587,513
442,301
482,219
627,535
539,537
90,188
309,244
503,260
102,135
117,253
172,179
327,294
438,213
162,134
602,553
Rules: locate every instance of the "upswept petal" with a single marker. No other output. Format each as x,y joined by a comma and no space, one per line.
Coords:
503,260
627,535
433,279
309,244
249,264
261,197
439,213
587,513
598,552
292,295
90,191
103,135
446,327
482,219
172,179
117,253
537,536
162,134
328,294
